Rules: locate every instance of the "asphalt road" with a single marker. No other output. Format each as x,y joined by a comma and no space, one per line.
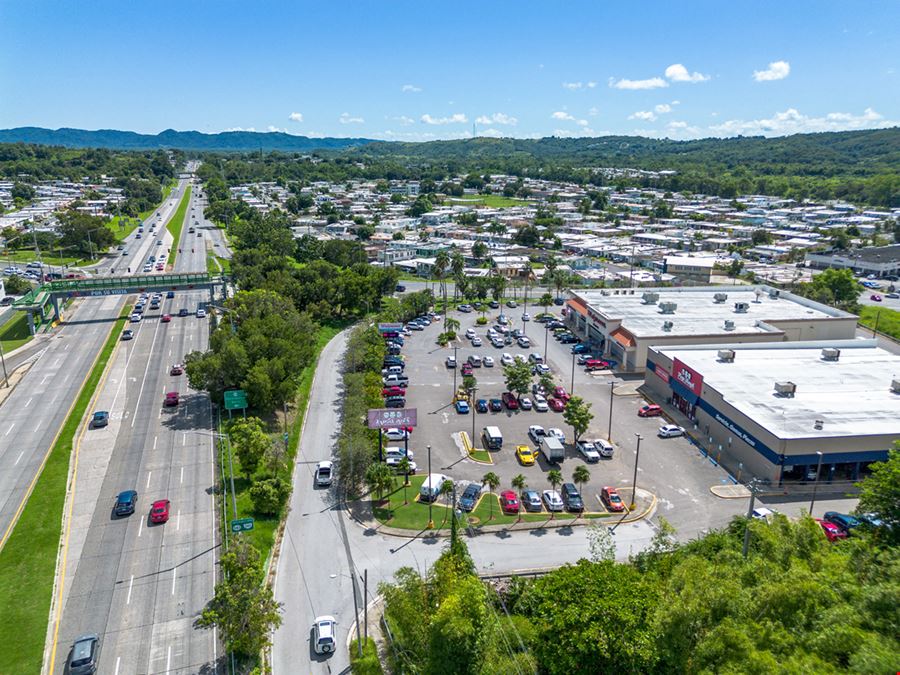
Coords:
141,586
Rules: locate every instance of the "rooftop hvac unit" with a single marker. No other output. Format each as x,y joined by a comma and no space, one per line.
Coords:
895,386
787,389
668,307
650,298
726,355
719,298
667,326
741,307
729,324
759,293
831,354
774,293
818,424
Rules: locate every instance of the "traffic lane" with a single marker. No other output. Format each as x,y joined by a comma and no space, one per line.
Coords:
865,297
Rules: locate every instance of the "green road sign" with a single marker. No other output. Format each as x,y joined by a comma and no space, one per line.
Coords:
235,399
242,524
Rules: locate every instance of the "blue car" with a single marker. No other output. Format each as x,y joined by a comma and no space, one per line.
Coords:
481,405
126,502
462,407
469,497
842,520
580,348
101,419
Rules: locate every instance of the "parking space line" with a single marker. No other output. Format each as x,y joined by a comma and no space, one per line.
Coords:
10,429
155,438
118,658
28,402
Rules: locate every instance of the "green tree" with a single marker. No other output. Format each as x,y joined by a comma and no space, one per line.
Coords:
479,250
16,285
833,287
404,466
519,483
84,233
243,609
578,415
880,494
23,191
555,478
518,377
580,476
269,495
379,479
761,236
492,481
249,442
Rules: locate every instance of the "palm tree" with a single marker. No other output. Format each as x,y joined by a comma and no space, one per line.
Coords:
528,271
379,478
545,301
580,476
554,477
451,325
458,267
447,489
519,484
492,481
404,467
439,272
551,264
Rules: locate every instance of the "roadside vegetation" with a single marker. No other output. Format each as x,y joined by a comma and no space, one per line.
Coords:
176,224
14,333
886,320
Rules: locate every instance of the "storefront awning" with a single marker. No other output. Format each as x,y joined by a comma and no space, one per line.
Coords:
623,337
577,305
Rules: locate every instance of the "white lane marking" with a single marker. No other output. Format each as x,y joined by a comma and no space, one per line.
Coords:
19,457
155,438
28,402
117,664
37,428
66,348
174,576
182,475
10,429
183,440
168,659
140,526
130,584
56,363
149,473
45,379
178,522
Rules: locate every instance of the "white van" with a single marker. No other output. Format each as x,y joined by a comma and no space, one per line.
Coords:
475,360
393,370
493,439
431,488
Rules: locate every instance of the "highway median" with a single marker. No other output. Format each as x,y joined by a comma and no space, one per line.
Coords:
176,224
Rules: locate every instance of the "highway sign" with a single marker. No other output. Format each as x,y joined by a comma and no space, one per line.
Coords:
383,418
242,524
235,399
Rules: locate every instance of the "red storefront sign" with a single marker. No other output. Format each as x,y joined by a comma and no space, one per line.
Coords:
689,377
662,373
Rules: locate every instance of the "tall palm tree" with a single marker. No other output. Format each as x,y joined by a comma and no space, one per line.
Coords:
519,484
379,478
492,481
580,476
439,271
528,271
451,325
554,477
404,467
458,267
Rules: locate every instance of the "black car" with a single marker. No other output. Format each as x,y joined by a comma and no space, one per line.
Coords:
496,405
481,405
571,497
170,294
469,497
394,402
183,311
569,340
399,288
126,502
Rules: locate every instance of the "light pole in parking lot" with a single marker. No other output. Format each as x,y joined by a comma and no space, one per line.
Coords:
546,338
455,366
430,487
472,411
612,386
572,385
812,502
637,456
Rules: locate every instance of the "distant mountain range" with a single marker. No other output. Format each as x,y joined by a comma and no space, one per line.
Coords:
235,141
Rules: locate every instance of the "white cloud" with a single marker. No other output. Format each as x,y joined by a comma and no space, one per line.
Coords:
498,118
651,83
346,118
581,123
241,129
273,128
792,121
591,85
404,120
677,125
572,86
295,117
593,112
458,118
678,73
411,88
777,70
491,132
662,108
561,115
646,115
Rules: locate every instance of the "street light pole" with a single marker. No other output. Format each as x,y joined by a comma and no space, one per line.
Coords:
472,411
3,361
455,367
612,386
572,386
812,501
752,487
431,487
637,457
546,338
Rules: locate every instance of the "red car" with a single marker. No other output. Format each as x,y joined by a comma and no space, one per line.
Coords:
556,404
561,394
171,399
832,531
611,498
509,400
650,411
595,364
467,368
166,318
177,369
509,503
393,391
159,511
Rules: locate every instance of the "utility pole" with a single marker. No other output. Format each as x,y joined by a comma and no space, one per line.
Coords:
812,502
612,386
572,386
365,605
430,500
752,487
455,367
637,457
3,361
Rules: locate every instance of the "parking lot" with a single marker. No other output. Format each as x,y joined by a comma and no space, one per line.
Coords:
672,468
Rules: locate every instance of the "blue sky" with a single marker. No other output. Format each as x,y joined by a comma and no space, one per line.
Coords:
427,70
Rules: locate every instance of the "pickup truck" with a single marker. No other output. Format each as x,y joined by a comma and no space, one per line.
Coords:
396,380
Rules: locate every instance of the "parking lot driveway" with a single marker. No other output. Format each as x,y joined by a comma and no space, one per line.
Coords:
671,468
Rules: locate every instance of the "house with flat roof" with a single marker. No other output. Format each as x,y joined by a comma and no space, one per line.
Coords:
882,261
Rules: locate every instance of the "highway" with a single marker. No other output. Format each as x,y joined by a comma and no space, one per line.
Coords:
141,586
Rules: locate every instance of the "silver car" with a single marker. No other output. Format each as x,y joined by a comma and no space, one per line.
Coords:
552,500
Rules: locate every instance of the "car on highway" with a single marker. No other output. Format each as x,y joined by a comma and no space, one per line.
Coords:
159,242
556,404
324,471
201,313
509,503
875,297
166,318
537,433
177,369
159,511
171,399
324,634
481,405
540,403
588,450
572,497
462,407
610,497
670,431
525,455
552,500
136,317
126,501
832,532
100,419
84,658
183,311
469,497
496,405
842,520
651,410
531,501
127,334
509,400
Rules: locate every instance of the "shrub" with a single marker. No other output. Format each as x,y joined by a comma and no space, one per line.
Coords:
268,496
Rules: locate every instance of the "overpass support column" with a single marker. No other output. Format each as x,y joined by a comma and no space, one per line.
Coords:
56,314
30,322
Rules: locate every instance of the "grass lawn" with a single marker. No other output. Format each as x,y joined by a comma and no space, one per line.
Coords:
481,456
492,201
28,560
888,320
368,663
27,255
122,226
176,223
14,333
213,268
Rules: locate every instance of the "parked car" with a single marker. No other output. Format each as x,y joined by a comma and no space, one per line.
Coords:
396,434
509,503
531,501
100,419
324,471
488,361
159,511
393,391
525,403
558,433
651,410
844,521
126,502
462,407
572,497
610,497
561,393
506,359
832,531
540,403
525,455
526,317
536,433
324,634
604,447
552,500
481,405
394,463
596,364
467,369
588,450
469,497
496,405
556,404
395,402
523,342
670,431
509,400
450,362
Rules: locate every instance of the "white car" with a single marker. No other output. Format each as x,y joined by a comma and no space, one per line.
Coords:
394,463
470,333
552,500
324,473
604,447
555,431
324,638
135,317
506,359
397,452
201,313
476,341
670,431
526,317
451,362
394,434
589,451
540,403
523,342
541,369
525,403
488,361
536,433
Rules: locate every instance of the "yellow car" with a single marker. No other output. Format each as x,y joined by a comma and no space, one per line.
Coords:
525,455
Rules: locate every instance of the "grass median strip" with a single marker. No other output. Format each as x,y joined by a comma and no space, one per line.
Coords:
28,560
15,333
176,224
887,320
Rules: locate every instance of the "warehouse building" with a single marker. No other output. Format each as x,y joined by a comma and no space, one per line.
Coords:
768,410
623,323
882,261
